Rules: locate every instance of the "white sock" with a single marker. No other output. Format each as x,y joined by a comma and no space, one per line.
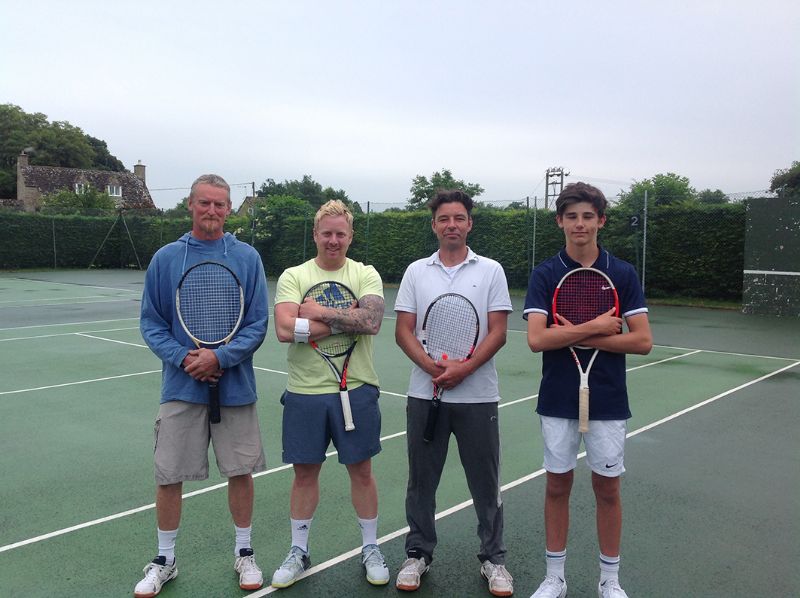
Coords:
300,529
609,567
166,544
369,531
242,538
555,563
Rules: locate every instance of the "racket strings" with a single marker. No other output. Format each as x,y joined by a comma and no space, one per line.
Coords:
336,296
583,296
451,328
210,302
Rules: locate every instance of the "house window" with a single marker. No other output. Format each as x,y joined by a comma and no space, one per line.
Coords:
81,188
114,190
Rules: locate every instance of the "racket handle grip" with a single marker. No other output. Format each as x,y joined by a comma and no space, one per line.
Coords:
583,410
344,396
430,424
213,403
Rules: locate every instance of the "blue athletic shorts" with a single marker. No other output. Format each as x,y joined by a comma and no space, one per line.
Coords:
311,422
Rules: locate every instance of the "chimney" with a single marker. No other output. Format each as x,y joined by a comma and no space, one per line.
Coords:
22,160
138,170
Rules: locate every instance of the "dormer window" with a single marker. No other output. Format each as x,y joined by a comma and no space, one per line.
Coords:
81,188
114,190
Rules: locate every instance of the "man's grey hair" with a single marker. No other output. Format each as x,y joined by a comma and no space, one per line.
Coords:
211,179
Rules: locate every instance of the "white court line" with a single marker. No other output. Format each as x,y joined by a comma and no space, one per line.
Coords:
111,340
67,324
87,333
58,299
21,390
284,467
72,284
70,303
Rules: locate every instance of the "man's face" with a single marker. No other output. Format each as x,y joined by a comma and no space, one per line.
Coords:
333,236
209,206
451,223
580,223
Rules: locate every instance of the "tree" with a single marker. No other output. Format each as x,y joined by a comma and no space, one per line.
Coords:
709,196
181,209
422,189
48,144
662,190
786,180
69,202
306,189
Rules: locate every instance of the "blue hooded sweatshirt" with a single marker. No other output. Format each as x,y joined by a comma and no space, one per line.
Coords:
163,333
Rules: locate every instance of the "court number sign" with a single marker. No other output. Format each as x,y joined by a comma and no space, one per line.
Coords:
633,221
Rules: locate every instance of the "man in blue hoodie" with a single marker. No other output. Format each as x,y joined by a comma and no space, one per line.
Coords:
182,428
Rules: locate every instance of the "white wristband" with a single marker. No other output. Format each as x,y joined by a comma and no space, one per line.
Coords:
302,330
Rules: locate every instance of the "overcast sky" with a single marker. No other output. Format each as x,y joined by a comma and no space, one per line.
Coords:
363,96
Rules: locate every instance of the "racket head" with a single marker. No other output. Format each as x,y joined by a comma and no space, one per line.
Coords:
450,328
331,293
210,303
583,294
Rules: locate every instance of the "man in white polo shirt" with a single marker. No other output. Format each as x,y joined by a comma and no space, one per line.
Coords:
469,403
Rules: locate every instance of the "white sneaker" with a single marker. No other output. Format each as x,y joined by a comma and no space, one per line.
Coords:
292,567
375,565
551,587
156,574
250,576
610,589
500,581
411,571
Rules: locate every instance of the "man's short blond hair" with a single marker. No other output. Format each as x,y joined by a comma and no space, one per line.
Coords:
334,207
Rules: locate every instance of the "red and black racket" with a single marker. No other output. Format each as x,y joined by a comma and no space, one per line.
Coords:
338,296
210,306
581,296
449,331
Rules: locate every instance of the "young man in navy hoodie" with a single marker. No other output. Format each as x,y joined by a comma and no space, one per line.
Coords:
182,428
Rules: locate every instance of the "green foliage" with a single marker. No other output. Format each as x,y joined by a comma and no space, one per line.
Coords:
423,189
48,144
786,180
181,210
306,189
69,202
709,196
662,190
693,250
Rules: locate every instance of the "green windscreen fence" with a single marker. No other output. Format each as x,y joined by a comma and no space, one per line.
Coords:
772,257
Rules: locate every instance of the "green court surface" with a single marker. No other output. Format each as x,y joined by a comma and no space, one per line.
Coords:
710,495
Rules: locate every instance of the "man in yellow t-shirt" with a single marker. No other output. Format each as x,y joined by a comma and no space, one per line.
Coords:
312,415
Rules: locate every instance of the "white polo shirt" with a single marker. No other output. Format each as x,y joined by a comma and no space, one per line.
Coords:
479,279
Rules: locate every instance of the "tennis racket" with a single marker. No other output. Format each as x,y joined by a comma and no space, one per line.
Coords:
338,296
582,295
210,306
449,331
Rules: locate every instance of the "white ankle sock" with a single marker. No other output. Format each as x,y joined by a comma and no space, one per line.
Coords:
609,567
300,530
166,544
242,538
555,562
369,531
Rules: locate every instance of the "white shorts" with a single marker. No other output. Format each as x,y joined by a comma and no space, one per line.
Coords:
605,445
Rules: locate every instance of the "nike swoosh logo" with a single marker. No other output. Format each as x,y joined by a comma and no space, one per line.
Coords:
605,288
611,466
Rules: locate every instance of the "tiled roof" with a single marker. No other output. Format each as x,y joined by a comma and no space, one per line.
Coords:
51,179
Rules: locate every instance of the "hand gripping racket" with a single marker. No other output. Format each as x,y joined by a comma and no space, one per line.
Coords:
582,295
338,296
210,306
449,331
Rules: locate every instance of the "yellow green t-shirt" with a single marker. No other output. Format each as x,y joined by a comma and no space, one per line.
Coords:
308,372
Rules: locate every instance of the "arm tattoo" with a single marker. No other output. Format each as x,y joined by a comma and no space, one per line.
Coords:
364,319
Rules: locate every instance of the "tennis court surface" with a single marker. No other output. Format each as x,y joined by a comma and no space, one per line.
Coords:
710,495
